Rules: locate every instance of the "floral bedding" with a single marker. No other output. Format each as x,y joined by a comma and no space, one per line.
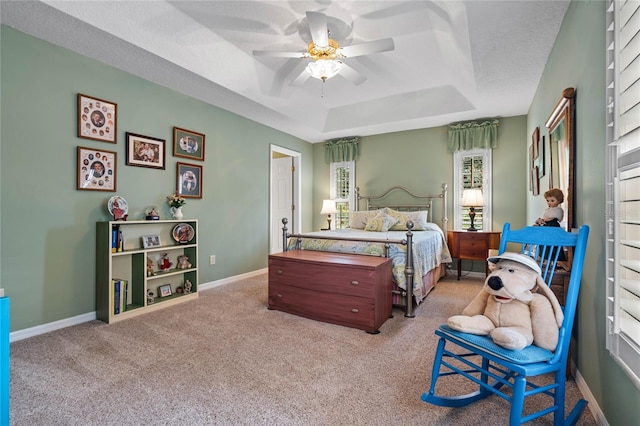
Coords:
429,248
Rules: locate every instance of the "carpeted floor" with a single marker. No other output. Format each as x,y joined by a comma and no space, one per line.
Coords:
225,359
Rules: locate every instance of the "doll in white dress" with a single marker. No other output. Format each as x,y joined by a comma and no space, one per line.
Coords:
553,214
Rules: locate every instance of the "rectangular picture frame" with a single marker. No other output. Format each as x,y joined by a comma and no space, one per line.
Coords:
96,169
188,144
164,290
145,151
97,119
151,241
542,158
189,180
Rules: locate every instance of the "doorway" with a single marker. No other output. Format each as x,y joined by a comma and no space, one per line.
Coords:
284,200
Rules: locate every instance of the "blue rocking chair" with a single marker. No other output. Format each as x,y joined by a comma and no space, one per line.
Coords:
492,367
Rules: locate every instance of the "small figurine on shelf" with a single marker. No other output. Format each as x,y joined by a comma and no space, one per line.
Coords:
187,287
150,271
165,263
152,213
183,262
149,297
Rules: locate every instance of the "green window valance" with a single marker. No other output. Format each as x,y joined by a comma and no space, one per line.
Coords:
341,150
473,134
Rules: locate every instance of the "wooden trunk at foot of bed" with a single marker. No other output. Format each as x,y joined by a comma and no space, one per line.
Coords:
344,289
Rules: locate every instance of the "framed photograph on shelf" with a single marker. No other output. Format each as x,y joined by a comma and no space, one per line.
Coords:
188,144
96,169
97,119
189,180
145,151
151,241
164,290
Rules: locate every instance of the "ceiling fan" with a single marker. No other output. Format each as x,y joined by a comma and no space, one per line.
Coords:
327,55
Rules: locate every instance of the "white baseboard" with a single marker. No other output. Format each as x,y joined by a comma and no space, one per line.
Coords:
224,281
586,393
56,325
90,316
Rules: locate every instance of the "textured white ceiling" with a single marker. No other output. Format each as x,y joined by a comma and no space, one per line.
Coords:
453,60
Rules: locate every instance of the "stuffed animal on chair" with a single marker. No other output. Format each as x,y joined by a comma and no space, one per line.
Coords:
515,306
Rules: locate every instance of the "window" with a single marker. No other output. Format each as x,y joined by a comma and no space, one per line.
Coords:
472,170
623,186
342,186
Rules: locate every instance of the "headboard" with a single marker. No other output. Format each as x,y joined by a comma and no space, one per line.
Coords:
410,202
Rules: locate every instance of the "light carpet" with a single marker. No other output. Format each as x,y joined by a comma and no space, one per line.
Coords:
225,359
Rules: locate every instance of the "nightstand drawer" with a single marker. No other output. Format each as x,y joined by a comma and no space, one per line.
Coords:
473,248
470,245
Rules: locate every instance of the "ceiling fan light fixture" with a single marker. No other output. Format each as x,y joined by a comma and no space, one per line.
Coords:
322,69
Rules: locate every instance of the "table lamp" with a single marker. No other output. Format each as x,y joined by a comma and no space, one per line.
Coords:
328,208
472,198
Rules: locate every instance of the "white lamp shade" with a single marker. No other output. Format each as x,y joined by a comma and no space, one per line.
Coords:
328,207
472,198
323,69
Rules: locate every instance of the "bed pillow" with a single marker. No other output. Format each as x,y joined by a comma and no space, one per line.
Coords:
419,219
382,222
358,219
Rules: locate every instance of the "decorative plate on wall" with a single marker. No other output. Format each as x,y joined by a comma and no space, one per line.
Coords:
118,207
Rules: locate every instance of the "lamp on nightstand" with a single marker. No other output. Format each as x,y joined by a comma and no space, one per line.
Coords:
472,198
328,208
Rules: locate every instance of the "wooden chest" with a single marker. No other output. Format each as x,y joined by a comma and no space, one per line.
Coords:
345,289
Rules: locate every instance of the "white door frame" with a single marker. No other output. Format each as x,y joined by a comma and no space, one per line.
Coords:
294,227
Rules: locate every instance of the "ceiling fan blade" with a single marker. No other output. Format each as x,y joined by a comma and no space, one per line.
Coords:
367,48
318,27
352,75
276,54
301,78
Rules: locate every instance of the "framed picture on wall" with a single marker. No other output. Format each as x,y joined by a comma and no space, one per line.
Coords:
188,144
535,142
535,181
541,159
189,180
96,169
145,151
97,119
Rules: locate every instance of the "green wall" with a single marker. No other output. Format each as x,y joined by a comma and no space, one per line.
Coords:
48,227
419,160
578,60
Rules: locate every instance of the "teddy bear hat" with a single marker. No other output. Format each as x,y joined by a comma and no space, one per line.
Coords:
517,257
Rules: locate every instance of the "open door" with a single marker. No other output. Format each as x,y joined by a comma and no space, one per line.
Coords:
284,194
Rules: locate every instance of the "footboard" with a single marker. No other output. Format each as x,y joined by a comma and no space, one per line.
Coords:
408,242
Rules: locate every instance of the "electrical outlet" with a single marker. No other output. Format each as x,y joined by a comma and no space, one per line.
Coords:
212,259
1,292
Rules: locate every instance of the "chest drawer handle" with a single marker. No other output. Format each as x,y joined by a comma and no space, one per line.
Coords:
354,282
279,295
279,271
355,311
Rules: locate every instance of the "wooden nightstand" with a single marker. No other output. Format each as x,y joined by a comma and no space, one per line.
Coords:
473,245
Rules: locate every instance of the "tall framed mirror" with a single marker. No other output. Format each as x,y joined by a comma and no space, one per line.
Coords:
560,125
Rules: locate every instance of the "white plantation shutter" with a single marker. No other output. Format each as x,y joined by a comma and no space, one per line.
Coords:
341,189
623,185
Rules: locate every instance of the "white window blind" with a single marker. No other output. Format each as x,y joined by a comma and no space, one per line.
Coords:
623,185
342,186
472,169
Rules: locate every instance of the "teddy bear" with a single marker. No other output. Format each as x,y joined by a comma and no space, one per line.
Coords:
183,262
515,307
